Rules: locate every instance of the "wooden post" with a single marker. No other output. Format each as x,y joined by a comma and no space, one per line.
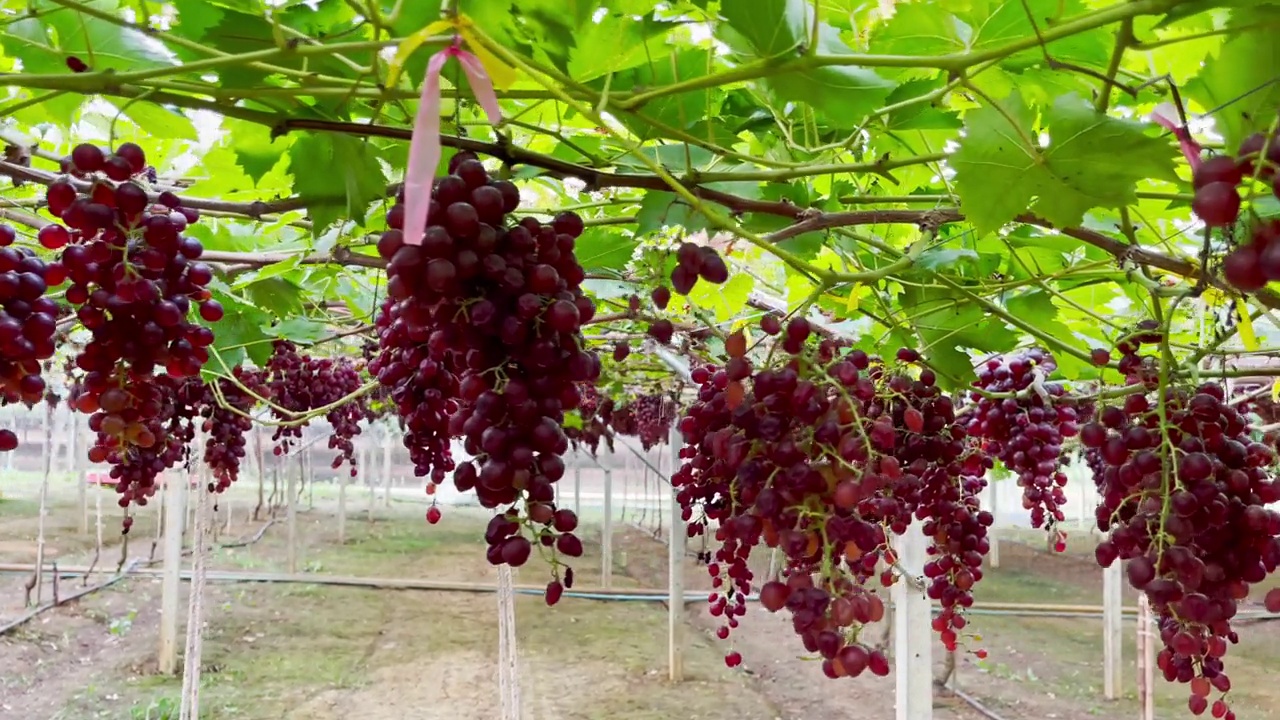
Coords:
912,644
79,456
1146,660
262,470
369,485
47,451
993,537
386,467
291,493
675,578
1085,515
308,477
170,583
772,574
342,505
606,540
1112,630
577,490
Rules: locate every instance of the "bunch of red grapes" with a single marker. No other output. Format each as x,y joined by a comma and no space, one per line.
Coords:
135,280
648,417
481,338
594,411
1026,428
821,456
226,414
300,384
1184,496
693,262
28,321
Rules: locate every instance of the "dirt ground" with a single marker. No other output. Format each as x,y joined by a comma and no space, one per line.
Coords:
310,651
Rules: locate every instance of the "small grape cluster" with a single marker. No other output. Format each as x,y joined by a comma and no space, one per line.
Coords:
821,457
481,338
1184,497
226,410
299,384
648,418
28,323
134,281
1217,202
693,262
594,411
1026,428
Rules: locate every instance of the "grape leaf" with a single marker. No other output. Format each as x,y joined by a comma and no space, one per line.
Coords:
679,110
604,248
1238,84
238,335
772,28
946,323
159,121
725,300
920,29
338,175
998,22
616,43
256,151
100,44
300,330
1091,161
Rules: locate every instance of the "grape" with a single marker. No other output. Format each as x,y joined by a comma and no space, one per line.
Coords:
660,296
1217,204
1027,431
1220,168
822,454
76,65
1243,268
662,331
484,342
1184,501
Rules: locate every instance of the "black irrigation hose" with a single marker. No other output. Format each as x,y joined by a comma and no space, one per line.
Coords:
34,612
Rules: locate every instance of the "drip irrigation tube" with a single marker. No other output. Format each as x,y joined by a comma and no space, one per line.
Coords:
634,595
31,614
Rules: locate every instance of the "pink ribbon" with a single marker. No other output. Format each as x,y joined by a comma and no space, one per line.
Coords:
1164,115
424,150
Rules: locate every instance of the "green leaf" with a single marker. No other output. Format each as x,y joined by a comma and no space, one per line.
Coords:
337,175
1092,160
663,209
920,29
680,110
949,323
277,295
726,300
604,248
256,150
238,335
1036,308
45,42
773,28
1238,85
157,121
299,330
616,43
997,23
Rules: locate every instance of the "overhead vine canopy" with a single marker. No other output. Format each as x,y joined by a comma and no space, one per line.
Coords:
1017,133
1007,191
